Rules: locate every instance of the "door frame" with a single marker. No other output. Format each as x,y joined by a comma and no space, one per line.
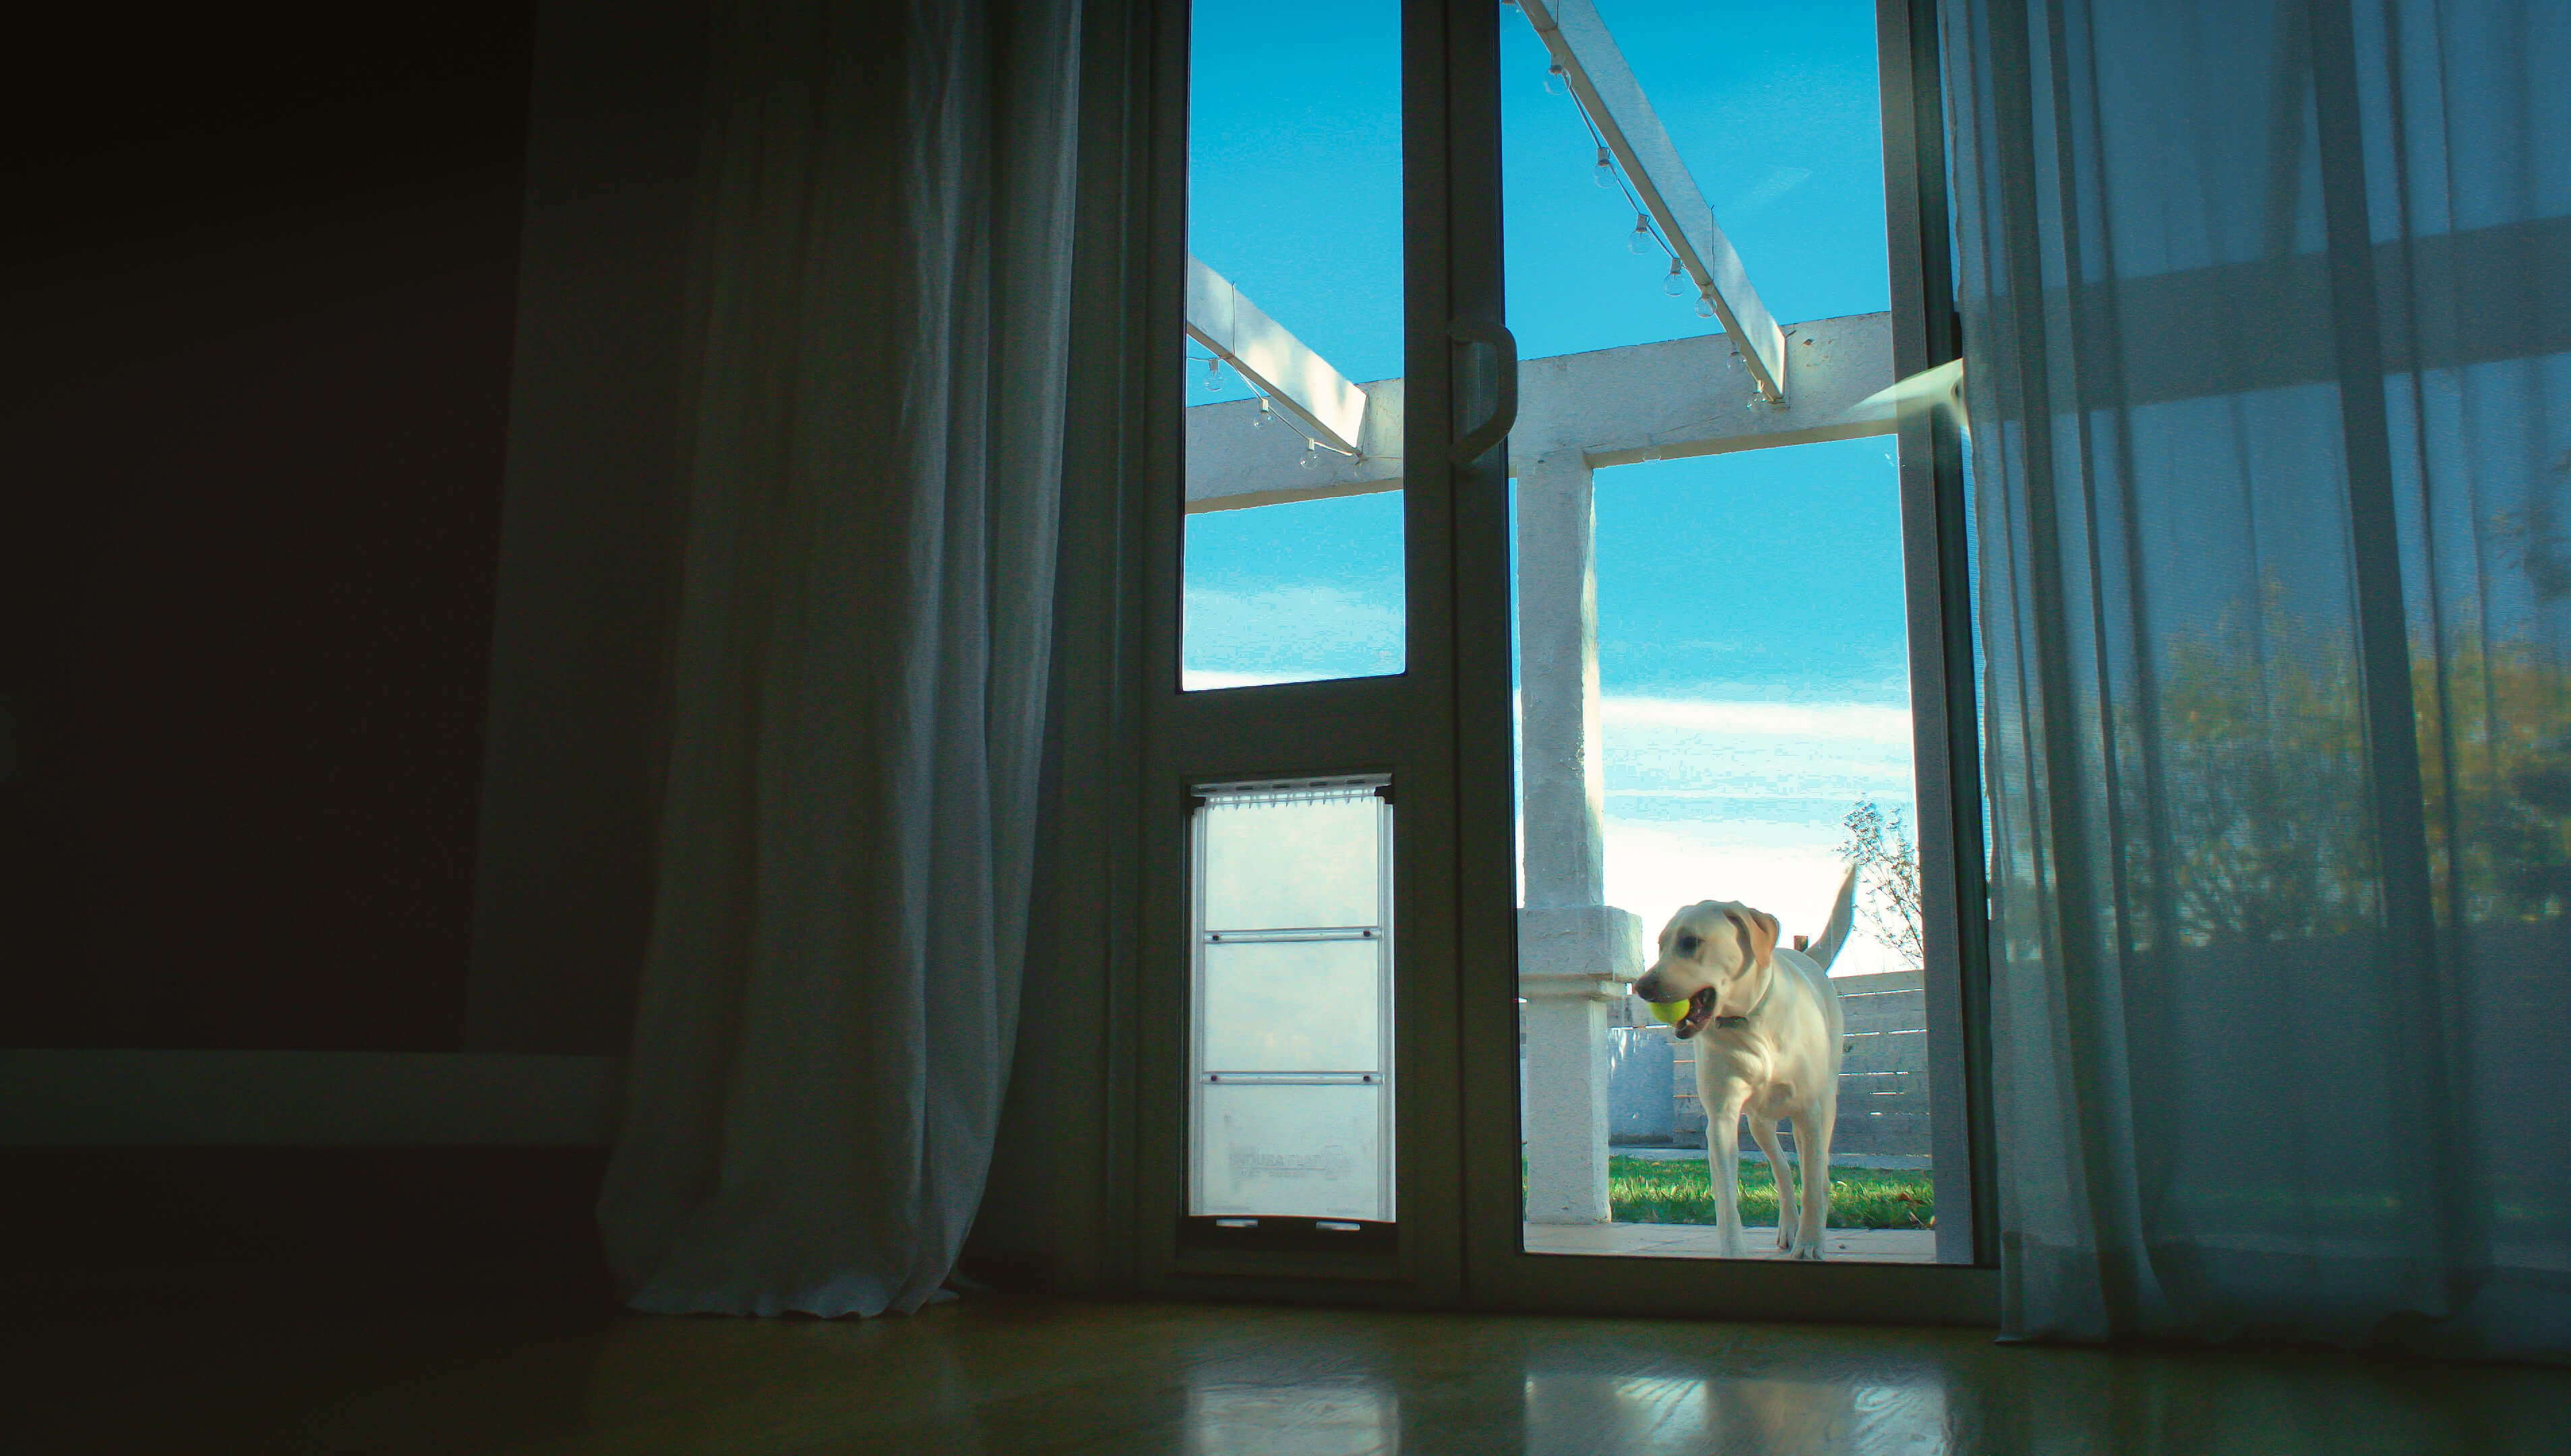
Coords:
1443,730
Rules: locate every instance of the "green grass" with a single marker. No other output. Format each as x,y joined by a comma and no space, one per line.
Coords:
1675,1190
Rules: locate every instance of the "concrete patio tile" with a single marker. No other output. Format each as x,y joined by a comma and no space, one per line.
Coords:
1693,1240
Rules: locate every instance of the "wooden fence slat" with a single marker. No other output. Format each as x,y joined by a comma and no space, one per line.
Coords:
1887,1104
1871,1053
1897,1133
1893,1050
1885,981
1851,1085
1889,1011
1887,1051
1874,1110
1882,1084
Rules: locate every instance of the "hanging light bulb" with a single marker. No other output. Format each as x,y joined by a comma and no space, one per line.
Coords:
1213,374
1260,420
1553,76
1642,234
1312,453
1705,305
1605,175
1670,285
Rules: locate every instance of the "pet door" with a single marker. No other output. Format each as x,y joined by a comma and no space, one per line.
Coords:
1289,1068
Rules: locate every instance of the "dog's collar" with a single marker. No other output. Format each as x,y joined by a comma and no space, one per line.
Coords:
1744,1018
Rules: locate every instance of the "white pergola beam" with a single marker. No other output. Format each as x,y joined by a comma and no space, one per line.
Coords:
1299,384
1654,401
1586,50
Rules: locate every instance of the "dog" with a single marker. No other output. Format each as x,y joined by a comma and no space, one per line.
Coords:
1769,1040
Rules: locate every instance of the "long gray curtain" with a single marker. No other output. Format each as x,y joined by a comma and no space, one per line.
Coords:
828,1005
2267,310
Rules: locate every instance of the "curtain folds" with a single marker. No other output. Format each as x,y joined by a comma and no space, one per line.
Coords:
847,838
2267,310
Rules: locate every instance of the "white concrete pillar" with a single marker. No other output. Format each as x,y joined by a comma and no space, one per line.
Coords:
1575,952
1572,961
1558,683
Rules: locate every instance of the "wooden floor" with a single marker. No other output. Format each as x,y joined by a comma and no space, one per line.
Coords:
1026,1378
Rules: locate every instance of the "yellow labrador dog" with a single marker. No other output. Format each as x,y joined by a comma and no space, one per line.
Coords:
1769,1040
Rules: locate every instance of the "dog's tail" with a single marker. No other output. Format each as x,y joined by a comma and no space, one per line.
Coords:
1833,935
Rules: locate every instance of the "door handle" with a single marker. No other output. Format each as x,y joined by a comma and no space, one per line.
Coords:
1504,409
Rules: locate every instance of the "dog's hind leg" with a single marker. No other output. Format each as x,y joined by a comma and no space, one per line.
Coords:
1764,1132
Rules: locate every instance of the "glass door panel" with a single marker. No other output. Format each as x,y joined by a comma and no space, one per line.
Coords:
1292,567
1713,639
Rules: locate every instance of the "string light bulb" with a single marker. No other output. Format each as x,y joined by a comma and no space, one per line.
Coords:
1705,305
1213,374
1605,175
1312,453
1551,76
1260,420
1670,285
1641,234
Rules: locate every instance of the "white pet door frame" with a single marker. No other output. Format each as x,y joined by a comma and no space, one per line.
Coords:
1289,1107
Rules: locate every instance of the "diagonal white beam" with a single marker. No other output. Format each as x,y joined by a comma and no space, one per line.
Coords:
1299,384
1585,50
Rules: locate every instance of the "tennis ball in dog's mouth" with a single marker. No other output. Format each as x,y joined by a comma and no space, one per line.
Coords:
1669,1011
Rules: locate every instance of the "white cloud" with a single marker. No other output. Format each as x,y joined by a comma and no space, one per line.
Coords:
1851,721
1777,182
1289,634
1737,799
1653,869
1755,753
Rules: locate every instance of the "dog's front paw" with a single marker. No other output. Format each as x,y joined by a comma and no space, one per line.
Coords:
1811,1250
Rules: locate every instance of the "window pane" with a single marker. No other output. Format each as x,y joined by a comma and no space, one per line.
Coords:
1292,567
1802,206
1296,1151
1293,1006
1271,865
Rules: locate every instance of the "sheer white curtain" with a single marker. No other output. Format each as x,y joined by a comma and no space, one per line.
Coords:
2267,310
828,1006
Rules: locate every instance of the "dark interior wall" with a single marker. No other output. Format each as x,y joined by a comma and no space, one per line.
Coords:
600,429
258,279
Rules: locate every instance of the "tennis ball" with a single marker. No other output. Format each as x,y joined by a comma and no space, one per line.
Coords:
1669,1011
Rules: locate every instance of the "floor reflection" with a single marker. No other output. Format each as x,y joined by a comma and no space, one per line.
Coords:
997,1377
1306,1419
1566,1413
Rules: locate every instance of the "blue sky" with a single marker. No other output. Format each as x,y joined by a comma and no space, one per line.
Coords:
1751,637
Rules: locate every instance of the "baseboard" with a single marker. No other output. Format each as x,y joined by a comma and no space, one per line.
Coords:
355,1228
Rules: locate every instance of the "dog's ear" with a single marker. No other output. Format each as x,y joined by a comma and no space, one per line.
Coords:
1758,935
1764,934
1758,931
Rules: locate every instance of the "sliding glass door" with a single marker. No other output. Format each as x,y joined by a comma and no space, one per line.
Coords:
1666,612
